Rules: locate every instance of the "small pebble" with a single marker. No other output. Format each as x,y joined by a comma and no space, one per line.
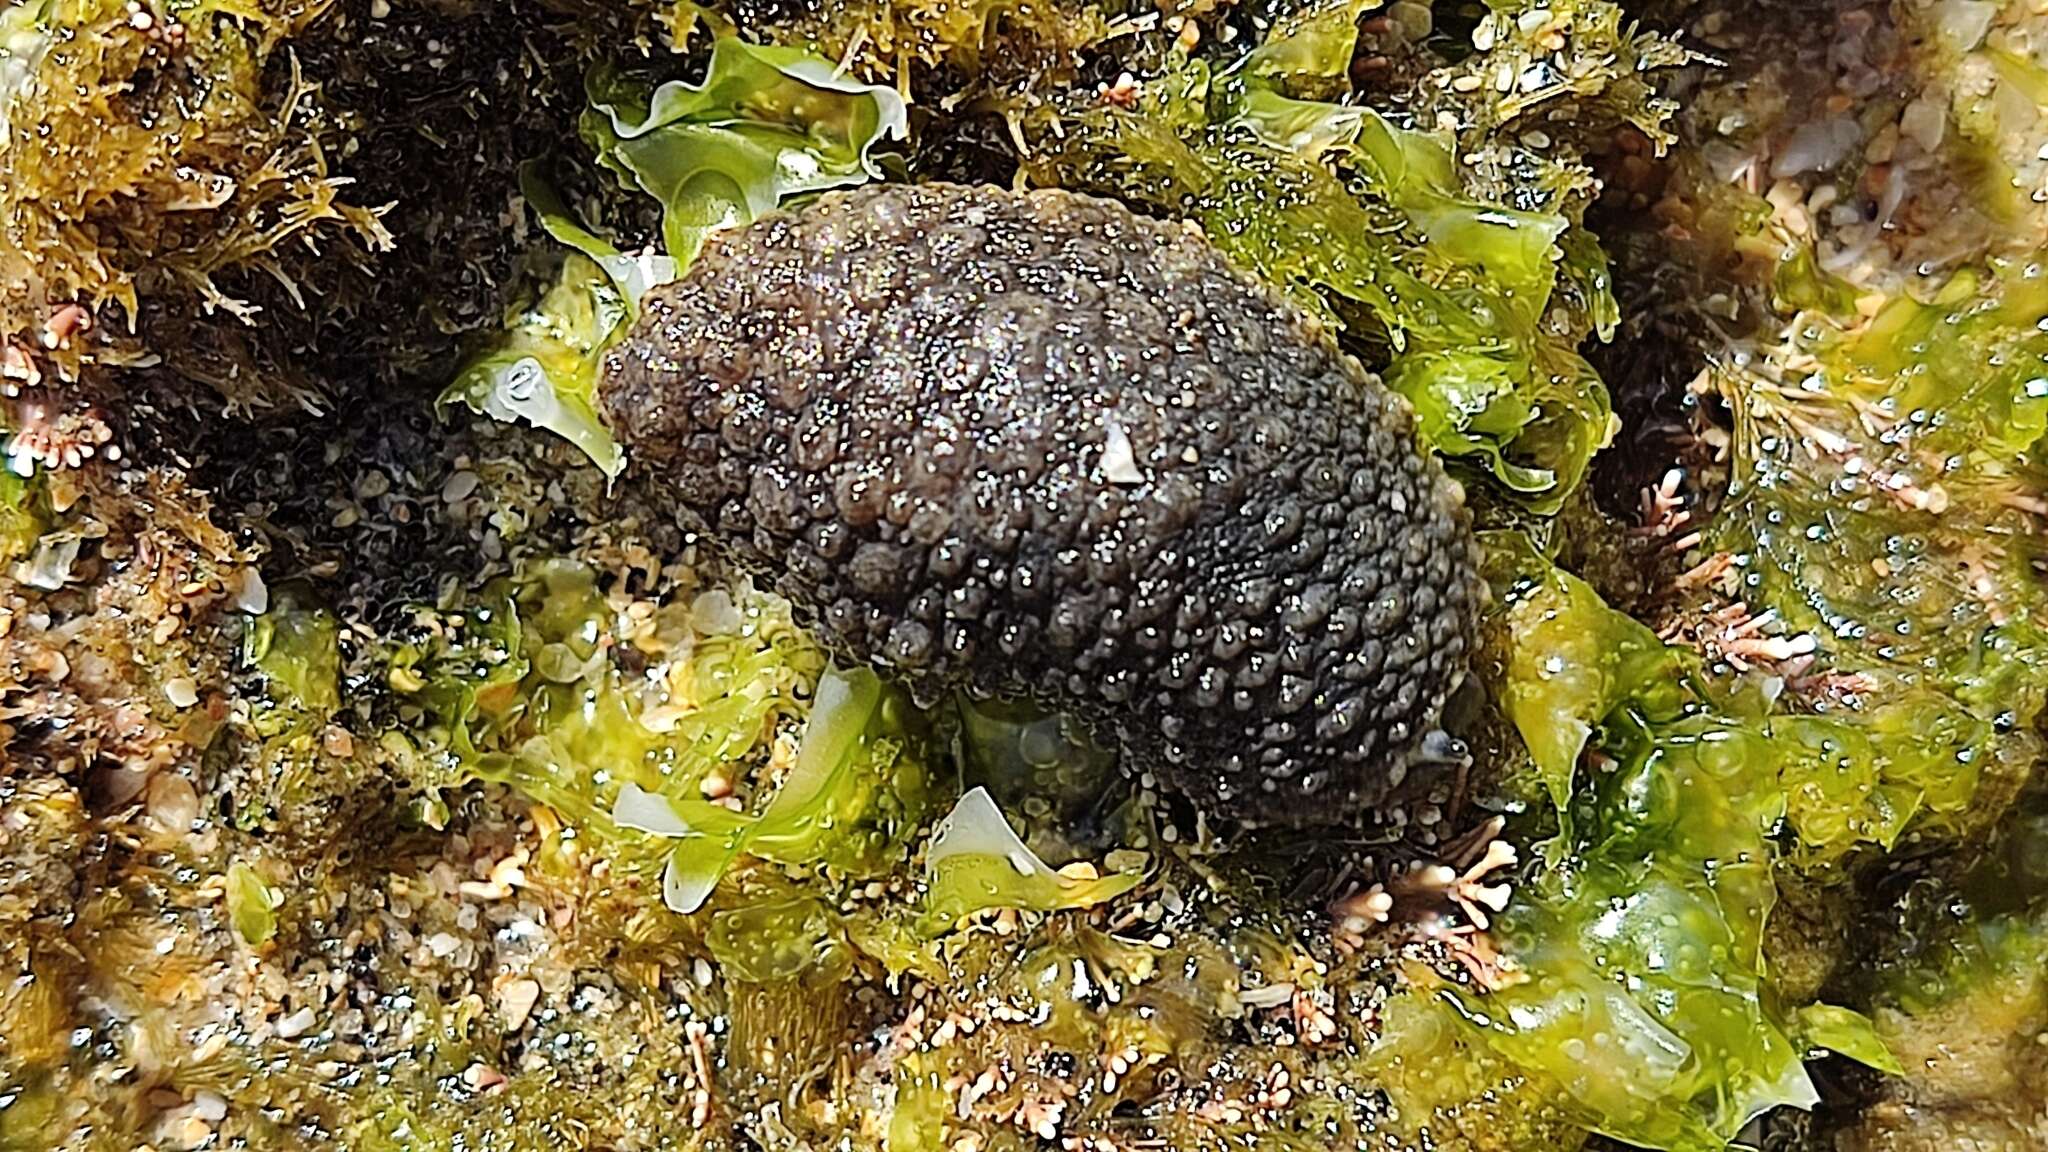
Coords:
516,999
296,1025
458,487
252,595
173,803
714,614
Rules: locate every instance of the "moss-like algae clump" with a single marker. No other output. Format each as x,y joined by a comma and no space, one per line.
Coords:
159,154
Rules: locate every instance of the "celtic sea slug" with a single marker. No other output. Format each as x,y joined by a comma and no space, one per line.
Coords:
1037,445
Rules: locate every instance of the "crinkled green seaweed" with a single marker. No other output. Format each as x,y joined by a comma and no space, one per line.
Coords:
1473,308
766,124
748,746
22,521
1885,502
1633,981
1704,785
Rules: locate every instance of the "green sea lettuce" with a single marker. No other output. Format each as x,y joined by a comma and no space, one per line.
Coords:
1367,224
976,861
848,799
1633,989
766,125
1884,501
526,694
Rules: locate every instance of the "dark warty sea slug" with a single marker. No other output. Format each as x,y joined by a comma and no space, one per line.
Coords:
1037,445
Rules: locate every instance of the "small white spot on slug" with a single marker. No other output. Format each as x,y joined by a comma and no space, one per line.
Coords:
1119,464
